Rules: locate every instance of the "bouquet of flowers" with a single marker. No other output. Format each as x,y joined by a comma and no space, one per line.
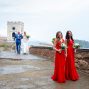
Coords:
63,46
27,36
76,45
53,40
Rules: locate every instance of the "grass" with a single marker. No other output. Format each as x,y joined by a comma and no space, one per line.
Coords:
7,46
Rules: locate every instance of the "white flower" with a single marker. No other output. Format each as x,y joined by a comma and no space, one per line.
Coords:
53,40
76,45
63,46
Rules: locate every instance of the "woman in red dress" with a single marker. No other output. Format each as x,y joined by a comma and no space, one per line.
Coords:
70,69
59,70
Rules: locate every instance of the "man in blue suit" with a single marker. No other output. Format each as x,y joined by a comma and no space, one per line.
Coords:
18,38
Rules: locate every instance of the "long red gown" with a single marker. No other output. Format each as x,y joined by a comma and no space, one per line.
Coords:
70,69
59,70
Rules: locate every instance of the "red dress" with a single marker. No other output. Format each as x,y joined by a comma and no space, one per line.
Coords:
70,69
59,70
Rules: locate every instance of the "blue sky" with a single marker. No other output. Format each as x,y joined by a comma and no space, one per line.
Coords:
43,18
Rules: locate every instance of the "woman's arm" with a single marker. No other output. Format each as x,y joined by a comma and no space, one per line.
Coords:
74,48
66,48
54,46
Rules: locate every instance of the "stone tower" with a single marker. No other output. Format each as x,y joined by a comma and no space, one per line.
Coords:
14,27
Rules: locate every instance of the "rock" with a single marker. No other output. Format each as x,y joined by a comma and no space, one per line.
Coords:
78,56
76,60
83,64
77,66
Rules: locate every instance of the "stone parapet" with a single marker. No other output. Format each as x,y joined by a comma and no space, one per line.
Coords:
81,56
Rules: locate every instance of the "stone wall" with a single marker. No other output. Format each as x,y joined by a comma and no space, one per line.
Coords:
81,56
14,27
46,52
82,59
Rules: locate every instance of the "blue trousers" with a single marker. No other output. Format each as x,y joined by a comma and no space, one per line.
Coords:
18,47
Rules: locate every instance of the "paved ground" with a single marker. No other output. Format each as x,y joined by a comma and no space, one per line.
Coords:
33,73
13,55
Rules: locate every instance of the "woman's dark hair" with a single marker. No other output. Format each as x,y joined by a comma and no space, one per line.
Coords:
68,37
57,34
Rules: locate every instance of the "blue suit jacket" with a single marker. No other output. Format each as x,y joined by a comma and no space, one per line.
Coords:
18,38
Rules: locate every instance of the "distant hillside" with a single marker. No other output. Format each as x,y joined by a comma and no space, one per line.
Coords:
83,43
38,43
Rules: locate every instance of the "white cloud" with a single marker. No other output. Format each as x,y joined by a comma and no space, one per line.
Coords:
46,17
30,6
